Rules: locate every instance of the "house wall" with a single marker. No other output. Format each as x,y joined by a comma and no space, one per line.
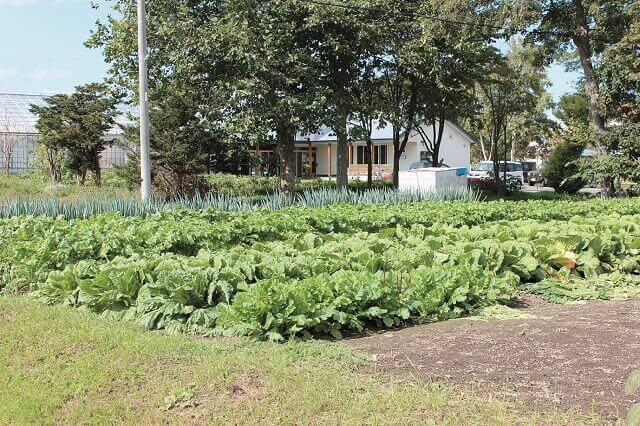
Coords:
322,157
412,154
455,149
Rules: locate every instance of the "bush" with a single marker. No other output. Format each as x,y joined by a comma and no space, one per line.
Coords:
252,186
559,171
248,186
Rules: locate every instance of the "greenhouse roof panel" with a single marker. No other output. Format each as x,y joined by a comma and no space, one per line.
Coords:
15,116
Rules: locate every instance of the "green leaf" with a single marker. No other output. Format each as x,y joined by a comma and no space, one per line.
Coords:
633,383
633,416
336,333
274,336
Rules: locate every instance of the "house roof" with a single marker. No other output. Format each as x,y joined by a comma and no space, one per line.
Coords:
380,132
326,134
15,116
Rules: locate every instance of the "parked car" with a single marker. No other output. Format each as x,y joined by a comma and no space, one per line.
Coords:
424,164
484,169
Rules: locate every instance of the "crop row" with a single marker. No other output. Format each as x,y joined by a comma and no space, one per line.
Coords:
130,206
330,283
31,247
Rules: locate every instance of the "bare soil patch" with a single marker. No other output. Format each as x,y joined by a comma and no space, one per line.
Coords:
568,357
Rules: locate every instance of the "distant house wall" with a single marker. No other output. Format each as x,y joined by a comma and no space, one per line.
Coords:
322,158
455,149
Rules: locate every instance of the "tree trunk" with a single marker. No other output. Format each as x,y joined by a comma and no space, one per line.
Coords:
369,162
285,147
396,166
486,156
581,40
506,148
438,143
590,84
7,162
495,135
54,168
81,176
96,173
342,163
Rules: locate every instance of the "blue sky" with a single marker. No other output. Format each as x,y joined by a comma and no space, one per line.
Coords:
42,45
43,52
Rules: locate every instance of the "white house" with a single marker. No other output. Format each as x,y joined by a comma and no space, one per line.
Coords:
455,151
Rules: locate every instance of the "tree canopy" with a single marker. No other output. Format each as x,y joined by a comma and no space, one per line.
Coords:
75,125
227,75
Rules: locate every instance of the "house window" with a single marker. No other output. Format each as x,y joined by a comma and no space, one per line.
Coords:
380,154
360,154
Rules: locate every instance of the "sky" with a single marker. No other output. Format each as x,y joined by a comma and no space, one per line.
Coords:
42,48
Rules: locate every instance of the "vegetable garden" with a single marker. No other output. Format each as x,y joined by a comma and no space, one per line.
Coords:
327,271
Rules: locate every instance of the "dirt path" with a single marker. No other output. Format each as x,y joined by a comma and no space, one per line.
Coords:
572,356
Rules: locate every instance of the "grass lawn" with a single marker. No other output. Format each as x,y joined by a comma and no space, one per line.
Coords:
63,365
34,185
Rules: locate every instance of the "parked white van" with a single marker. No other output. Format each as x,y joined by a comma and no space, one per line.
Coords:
481,170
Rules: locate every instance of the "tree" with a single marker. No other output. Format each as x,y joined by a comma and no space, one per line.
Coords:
76,124
188,79
561,168
344,43
449,95
573,109
583,27
366,112
278,83
8,140
513,95
620,73
429,69
621,161
250,62
176,121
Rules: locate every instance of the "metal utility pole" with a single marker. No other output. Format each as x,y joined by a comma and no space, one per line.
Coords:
145,162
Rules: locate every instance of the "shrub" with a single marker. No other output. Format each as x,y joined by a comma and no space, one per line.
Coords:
560,169
252,186
248,186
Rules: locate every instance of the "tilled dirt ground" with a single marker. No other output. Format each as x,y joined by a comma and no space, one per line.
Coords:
572,356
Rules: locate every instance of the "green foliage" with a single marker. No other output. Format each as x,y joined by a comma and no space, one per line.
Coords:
620,72
75,125
301,272
573,109
633,383
561,167
92,204
622,159
251,186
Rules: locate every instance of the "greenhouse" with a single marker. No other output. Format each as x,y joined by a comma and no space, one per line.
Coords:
19,136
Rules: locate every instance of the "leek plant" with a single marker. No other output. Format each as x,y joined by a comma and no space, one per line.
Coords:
130,206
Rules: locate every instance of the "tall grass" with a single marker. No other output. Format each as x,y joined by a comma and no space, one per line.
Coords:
130,206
